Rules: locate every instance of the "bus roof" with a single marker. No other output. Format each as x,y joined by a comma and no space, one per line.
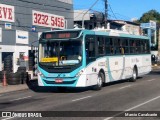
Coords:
106,32
118,33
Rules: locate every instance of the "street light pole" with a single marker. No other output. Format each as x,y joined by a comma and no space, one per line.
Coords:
83,18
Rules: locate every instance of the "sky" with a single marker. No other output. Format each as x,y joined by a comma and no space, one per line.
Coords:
120,9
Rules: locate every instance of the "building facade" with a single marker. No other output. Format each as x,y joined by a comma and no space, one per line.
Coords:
22,22
94,20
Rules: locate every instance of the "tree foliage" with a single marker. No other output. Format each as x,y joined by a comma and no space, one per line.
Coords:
150,15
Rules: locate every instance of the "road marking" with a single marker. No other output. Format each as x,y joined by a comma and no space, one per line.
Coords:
7,118
125,87
132,108
151,80
20,98
81,98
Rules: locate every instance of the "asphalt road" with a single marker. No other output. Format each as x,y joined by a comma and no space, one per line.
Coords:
123,97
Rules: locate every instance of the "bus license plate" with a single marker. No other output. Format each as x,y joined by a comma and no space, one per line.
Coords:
58,80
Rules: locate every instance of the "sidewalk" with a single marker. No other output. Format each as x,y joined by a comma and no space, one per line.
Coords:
155,67
12,88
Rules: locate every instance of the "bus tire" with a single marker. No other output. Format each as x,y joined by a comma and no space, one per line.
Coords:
134,75
100,81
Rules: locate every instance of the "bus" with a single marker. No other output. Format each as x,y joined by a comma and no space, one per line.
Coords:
82,58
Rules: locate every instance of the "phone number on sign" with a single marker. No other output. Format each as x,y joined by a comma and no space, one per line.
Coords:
48,20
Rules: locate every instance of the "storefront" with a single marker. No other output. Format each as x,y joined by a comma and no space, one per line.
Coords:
22,22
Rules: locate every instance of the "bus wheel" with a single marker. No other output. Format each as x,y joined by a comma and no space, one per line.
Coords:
100,81
61,89
134,75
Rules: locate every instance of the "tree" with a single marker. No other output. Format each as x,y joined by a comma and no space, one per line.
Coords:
150,15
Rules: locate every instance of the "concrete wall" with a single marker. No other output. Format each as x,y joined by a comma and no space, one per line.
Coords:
132,29
23,17
23,21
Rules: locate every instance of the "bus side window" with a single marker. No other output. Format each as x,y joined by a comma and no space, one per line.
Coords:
122,50
101,45
90,46
126,46
145,46
121,44
132,46
107,46
138,47
112,50
117,46
148,47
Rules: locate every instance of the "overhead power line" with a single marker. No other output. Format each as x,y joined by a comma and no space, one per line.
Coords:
112,12
42,4
40,8
37,8
87,12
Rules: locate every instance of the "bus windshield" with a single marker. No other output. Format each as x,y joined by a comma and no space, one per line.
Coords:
60,53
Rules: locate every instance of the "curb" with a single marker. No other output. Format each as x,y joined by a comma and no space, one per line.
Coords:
155,67
13,88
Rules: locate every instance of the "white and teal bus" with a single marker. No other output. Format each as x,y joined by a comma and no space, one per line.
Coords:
81,58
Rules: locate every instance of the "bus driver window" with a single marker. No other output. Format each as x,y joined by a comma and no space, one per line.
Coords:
90,47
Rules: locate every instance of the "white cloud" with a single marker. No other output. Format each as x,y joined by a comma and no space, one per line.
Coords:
134,19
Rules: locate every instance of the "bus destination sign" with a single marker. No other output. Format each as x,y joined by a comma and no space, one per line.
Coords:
61,35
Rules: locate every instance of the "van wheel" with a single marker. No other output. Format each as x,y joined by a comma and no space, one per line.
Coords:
134,75
100,81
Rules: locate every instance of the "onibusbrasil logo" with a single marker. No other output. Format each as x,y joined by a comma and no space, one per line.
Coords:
21,114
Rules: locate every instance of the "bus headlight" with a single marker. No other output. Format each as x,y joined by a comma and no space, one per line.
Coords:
40,73
79,73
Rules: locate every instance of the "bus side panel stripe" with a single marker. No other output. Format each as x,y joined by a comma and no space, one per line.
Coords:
110,72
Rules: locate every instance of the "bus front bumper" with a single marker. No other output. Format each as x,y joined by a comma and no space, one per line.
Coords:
66,82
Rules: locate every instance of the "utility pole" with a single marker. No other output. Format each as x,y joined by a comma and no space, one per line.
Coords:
106,12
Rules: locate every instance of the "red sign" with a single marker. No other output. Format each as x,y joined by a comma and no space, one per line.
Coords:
6,13
47,20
